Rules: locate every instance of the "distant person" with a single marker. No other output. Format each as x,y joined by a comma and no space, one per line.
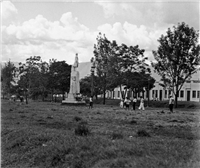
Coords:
171,103
127,102
141,103
121,104
91,102
134,102
124,103
21,98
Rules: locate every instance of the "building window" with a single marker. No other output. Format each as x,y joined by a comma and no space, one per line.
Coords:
182,94
152,93
194,94
196,81
118,93
198,94
178,94
156,94
165,93
169,93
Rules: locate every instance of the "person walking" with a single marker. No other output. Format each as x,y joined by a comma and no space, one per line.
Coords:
91,102
141,103
121,104
134,103
127,102
171,103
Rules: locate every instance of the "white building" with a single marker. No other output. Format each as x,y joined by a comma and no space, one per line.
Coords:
189,92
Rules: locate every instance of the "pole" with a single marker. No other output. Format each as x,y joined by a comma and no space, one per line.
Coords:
92,83
148,94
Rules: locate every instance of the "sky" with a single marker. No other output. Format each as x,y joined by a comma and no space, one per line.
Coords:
60,29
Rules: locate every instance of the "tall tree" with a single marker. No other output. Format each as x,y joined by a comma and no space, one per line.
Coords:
114,61
85,86
102,51
8,73
177,57
30,78
59,76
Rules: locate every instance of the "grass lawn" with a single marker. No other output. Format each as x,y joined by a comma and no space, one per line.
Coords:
45,135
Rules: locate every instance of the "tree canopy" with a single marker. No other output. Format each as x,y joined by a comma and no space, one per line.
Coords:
115,62
8,73
177,56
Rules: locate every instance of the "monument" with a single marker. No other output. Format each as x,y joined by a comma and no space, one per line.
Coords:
73,97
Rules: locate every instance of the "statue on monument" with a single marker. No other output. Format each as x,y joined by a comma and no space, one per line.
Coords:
74,81
74,92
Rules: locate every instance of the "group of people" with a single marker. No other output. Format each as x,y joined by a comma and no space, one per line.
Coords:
126,103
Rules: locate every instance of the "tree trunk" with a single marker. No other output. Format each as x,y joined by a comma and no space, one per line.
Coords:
125,93
43,94
122,93
176,97
26,98
104,97
96,96
104,90
51,95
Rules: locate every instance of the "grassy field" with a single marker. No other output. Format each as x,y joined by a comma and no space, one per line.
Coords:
45,135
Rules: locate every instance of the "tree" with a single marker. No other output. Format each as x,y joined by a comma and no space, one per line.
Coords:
125,63
59,77
139,81
177,57
85,86
114,62
8,73
101,52
33,78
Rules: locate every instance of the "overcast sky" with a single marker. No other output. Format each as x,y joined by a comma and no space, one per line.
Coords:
60,29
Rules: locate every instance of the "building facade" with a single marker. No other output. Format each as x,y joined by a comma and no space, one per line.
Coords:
190,91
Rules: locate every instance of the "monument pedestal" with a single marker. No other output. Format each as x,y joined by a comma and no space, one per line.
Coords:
71,100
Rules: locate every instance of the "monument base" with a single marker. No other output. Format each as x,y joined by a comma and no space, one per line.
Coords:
71,100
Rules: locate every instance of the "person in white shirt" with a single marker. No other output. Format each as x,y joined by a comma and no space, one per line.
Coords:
121,104
91,102
141,103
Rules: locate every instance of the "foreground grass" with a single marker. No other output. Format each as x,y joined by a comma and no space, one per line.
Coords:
43,135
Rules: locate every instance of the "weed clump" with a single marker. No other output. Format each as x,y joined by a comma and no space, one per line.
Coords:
143,133
82,129
117,135
133,122
76,118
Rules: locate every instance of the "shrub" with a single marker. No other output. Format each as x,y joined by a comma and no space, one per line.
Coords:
82,129
133,122
117,135
143,133
76,118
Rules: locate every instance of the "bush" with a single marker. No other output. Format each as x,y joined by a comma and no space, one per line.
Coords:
117,135
76,118
133,122
143,133
82,129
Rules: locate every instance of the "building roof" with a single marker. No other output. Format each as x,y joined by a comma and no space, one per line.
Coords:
85,67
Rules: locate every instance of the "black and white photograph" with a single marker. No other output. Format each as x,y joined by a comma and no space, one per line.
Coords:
100,83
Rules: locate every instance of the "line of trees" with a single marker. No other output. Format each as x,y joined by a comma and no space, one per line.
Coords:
36,78
118,66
